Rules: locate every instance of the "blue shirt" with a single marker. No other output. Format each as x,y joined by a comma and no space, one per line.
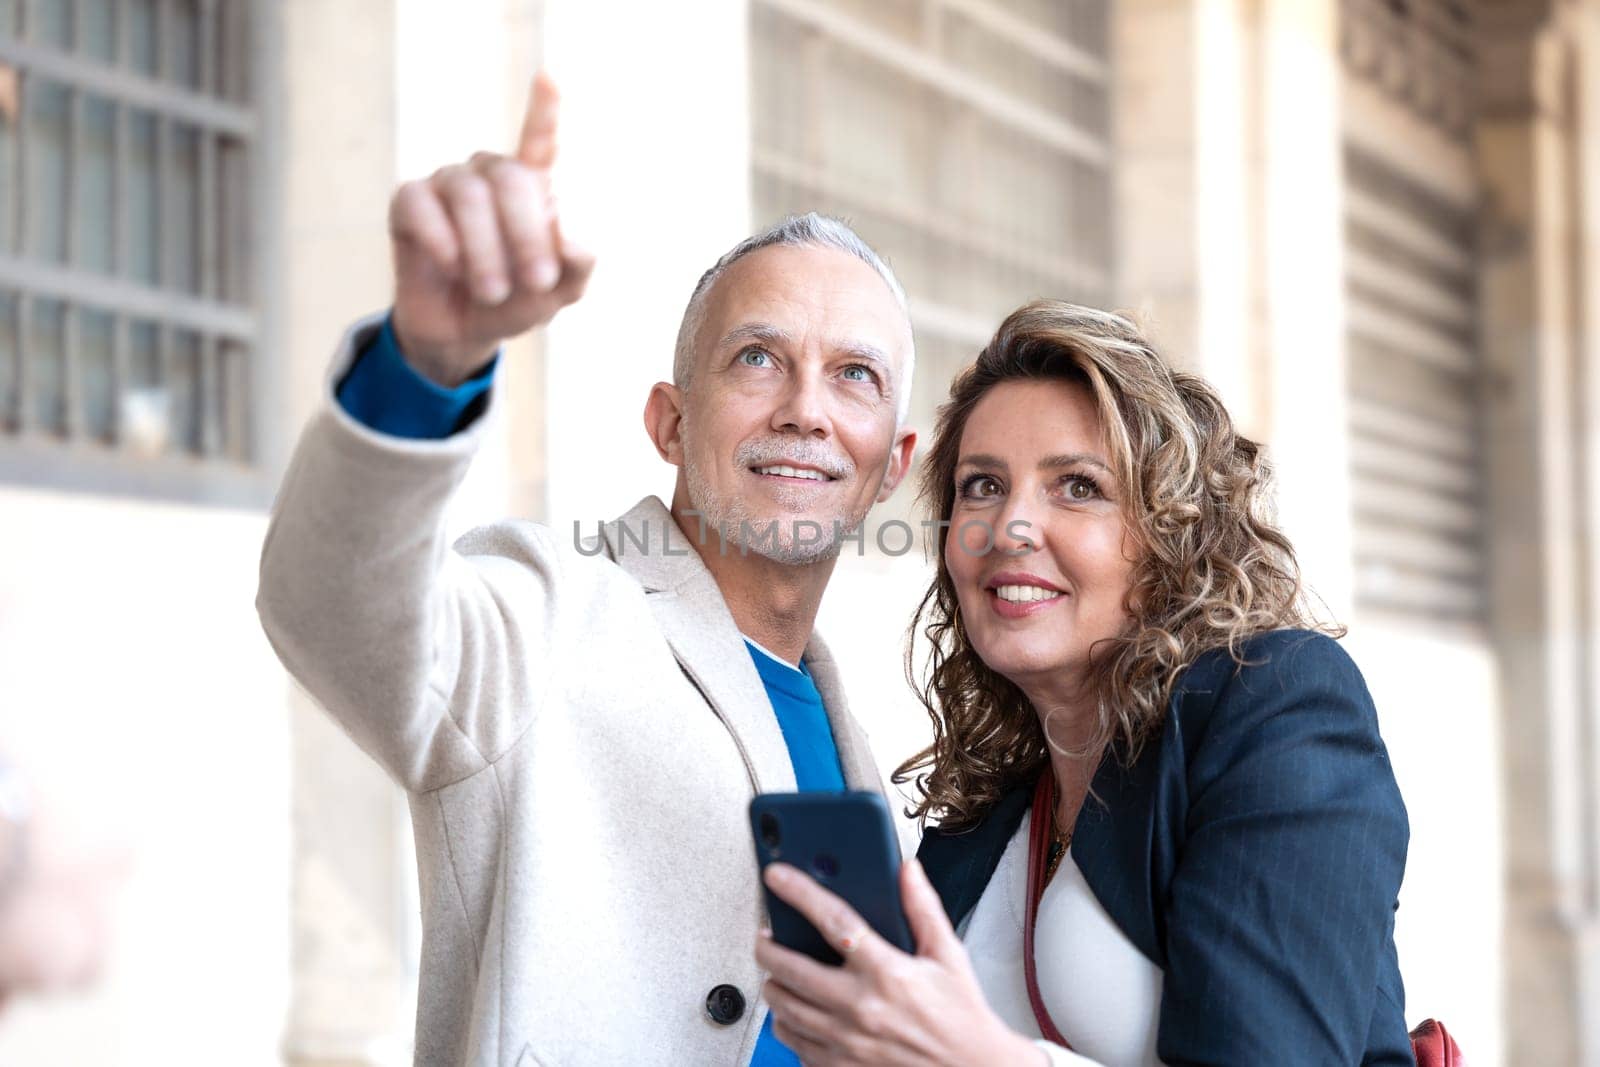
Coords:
809,737
384,393
803,720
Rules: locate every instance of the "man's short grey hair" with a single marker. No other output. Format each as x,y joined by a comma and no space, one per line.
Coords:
808,230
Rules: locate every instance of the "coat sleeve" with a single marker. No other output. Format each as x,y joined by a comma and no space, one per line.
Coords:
431,660
1280,913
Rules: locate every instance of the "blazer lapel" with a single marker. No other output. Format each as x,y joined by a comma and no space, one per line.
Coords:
855,753
1128,834
960,864
1127,846
694,619
1113,843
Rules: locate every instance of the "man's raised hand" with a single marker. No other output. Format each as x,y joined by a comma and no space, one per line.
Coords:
478,252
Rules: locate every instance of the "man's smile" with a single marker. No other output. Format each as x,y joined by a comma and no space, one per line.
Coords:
786,473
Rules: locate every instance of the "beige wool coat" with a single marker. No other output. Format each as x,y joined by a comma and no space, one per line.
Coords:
578,735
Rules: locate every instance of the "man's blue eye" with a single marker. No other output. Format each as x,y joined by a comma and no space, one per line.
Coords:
857,374
750,355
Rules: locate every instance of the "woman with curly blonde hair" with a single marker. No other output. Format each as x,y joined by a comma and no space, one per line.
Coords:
1168,831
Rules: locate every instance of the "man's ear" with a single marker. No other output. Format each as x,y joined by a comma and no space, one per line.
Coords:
905,446
663,421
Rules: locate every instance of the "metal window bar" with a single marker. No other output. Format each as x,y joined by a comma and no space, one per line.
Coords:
210,428
68,418
21,406
194,306
133,89
165,357
122,49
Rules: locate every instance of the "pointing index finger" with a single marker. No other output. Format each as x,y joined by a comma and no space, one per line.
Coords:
536,146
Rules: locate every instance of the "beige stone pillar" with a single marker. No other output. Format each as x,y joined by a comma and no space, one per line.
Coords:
1302,271
1185,220
350,981
1585,29
1229,205
1543,611
378,91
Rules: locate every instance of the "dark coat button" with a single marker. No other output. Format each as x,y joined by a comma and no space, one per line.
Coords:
725,1004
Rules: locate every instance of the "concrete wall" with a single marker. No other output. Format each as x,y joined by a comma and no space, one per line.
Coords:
133,667
654,177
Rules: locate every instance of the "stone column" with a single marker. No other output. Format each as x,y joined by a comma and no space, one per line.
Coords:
1584,21
1543,610
1230,186
1302,268
379,91
350,977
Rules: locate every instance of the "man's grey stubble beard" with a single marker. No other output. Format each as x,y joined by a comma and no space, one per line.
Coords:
747,534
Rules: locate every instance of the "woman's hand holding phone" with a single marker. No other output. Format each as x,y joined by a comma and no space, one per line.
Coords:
884,1006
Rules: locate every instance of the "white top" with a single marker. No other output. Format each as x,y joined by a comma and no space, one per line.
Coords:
1103,994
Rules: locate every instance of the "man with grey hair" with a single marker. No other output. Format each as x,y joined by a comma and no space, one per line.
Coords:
818,231
579,729
781,536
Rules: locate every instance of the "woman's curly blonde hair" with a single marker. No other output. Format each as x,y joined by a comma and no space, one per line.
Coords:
1212,568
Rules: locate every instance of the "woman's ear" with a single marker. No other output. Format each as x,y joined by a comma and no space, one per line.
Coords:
663,421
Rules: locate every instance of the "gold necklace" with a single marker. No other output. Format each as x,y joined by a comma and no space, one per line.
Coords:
1059,843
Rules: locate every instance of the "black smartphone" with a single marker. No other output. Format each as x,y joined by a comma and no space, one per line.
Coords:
846,841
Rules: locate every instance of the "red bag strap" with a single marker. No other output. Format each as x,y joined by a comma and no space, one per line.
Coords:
1040,834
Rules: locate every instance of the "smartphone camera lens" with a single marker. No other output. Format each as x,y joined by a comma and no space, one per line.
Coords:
769,830
825,866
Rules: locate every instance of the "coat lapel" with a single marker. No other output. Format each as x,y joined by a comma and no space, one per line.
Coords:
959,864
1111,845
1128,847
694,619
1128,835
855,754
1114,844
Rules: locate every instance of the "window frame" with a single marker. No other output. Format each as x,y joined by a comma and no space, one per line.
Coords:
238,447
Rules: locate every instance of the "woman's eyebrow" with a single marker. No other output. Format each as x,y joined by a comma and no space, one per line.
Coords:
981,459
1073,459
1065,459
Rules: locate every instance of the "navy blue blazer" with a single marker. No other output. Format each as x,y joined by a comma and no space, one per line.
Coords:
1253,852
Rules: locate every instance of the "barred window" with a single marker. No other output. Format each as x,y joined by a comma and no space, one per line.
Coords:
127,326
1416,376
967,140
